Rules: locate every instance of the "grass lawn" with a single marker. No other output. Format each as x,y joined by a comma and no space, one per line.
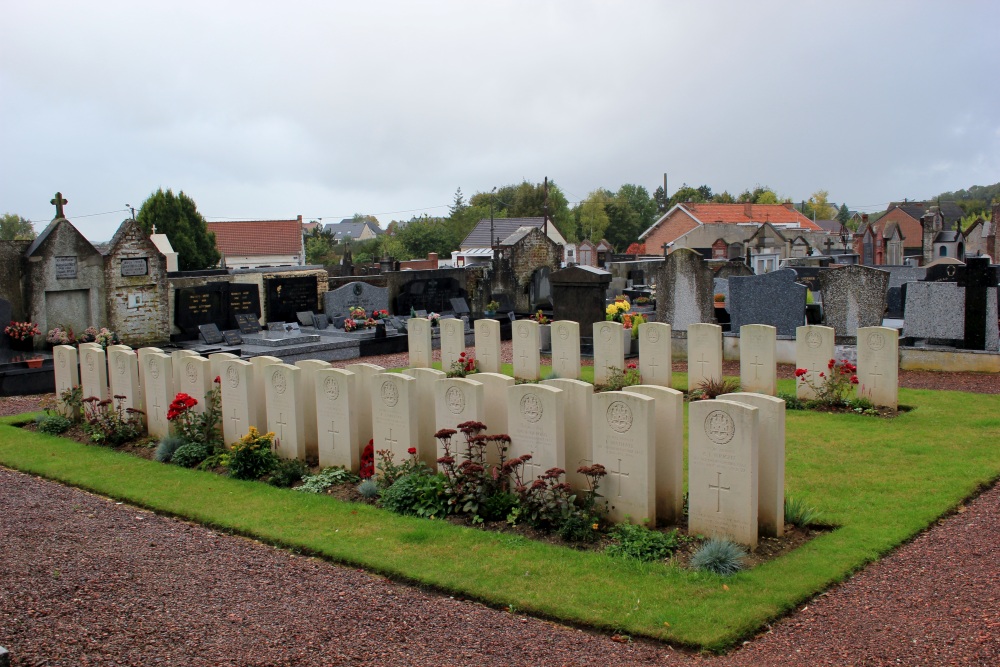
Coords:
881,481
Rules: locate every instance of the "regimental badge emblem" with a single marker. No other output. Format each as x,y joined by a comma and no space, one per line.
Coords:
279,382
619,416
455,400
876,340
90,361
652,335
531,407
120,365
563,331
814,339
390,393
153,368
719,427
191,371
522,330
233,376
332,388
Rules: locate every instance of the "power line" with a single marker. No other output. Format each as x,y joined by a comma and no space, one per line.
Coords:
86,215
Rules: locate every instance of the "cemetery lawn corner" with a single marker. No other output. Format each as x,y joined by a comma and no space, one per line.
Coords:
881,481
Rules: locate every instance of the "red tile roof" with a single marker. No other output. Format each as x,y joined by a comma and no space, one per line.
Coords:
248,238
776,214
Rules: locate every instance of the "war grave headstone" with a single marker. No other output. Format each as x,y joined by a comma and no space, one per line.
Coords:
309,398
495,386
878,365
655,353
158,392
210,333
339,301
194,378
457,400
527,353
536,425
577,407
123,377
336,418
363,374
425,442
684,290
623,425
285,296
394,413
94,373
285,414
178,356
723,444
487,335
814,348
418,338
669,447
609,350
67,371
239,404
260,375
774,298
770,458
142,352
579,294
704,350
566,349
452,342
217,359
758,359
853,296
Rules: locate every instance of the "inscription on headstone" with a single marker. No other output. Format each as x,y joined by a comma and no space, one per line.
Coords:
65,268
135,266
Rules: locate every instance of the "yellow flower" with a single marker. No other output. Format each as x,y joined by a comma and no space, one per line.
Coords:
595,526
612,309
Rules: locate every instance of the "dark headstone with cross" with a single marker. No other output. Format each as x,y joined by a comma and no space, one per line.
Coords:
980,282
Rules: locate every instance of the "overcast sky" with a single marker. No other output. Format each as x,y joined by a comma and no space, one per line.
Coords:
269,110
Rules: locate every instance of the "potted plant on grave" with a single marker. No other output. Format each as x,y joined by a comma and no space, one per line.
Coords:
491,309
22,335
721,314
544,330
60,335
434,319
621,311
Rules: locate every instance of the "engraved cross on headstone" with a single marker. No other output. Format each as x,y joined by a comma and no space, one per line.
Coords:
236,422
702,361
757,365
875,375
390,440
281,426
333,432
564,365
156,406
718,491
530,463
652,367
619,474
58,202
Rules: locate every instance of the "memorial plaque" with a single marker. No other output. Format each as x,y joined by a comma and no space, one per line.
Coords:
241,298
459,306
232,337
320,321
287,296
136,266
65,268
275,326
204,304
210,333
248,323
421,313
305,317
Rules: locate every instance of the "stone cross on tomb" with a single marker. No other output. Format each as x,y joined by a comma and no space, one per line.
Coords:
58,202
333,429
157,406
619,474
702,361
718,491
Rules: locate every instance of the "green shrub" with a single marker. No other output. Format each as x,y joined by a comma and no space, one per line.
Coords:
109,422
498,506
165,450
326,478
287,472
720,556
251,456
53,423
641,543
420,493
368,488
792,401
190,454
579,527
800,514
710,388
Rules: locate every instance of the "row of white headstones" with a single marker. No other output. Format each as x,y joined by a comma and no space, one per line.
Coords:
736,443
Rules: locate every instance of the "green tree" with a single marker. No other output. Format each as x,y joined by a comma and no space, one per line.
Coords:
424,235
527,200
15,227
688,194
629,214
843,215
177,216
661,199
821,206
320,247
723,198
592,215
761,194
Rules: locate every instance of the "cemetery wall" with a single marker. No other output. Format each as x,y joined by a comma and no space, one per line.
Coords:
11,268
136,288
950,361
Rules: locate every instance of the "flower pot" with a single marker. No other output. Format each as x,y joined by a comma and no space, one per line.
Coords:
489,313
34,363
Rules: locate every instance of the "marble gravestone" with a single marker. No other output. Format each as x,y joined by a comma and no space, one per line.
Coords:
394,414
609,350
853,296
536,425
94,373
758,359
566,349
67,371
336,419
878,365
623,427
487,333
452,342
418,339
723,445
456,401
338,302
655,353
770,459
308,396
934,310
424,441
704,342
363,374
577,406
158,392
285,410
527,353
495,386
218,359
814,349
684,290
775,299
239,406
669,446
177,356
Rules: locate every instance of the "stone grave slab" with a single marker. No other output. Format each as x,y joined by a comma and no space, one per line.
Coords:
158,392
770,459
309,397
285,414
527,353
566,349
232,337
934,310
853,296
609,349
775,299
418,338
363,374
452,342
239,405
142,352
94,373
394,414
655,353
260,376
704,354
459,306
339,301
248,323
577,406
456,401
758,359
210,333
668,423
814,348
336,418
623,428
495,386
684,290
722,470
425,442
321,321
67,371
878,365
487,334
305,317
536,425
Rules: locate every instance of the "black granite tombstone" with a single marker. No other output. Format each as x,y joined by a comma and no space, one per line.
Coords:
242,298
305,317
459,306
579,294
248,323
210,333
214,303
977,278
287,296
232,337
429,294
397,324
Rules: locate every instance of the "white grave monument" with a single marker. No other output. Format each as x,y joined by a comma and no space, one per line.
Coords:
814,349
285,410
623,425
308,397
363,373
536,425
655,354
336,420
878,365
758,354
67,370
123,374
94,372
159,392
425,442
141,353
487,334
704,354
566,350
609,350
177,356
239,406
495,386
394,414
194,377
527,353
669,446
452,342
577,399
260,376
457,400
418,339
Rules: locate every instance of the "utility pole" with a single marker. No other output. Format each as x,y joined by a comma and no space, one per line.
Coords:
493,243
545,208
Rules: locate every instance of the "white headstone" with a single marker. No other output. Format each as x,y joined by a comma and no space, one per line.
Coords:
771,459
577,398
194,377
609,350
655,354
260,376
452,342
336,419
722,470
308,397
363,374
141,353
67,370
669,437
239,405
623,425
704,354
123,375
217,360
177,356
536,425
758,354
566,349
487,334
878,365
418,338
495,386
425,442
457,401
527,354
814,348
394,414
159,392
94,372
285,411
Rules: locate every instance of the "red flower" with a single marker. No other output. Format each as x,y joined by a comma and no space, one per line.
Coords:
632,365
462,355
854,379
831,364
822,375
412,451
368,461
217,380
799,372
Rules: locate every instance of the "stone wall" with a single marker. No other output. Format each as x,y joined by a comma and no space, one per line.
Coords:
138,306
11,270
518,263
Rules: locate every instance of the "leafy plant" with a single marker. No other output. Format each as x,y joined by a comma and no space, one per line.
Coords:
471,482
72,400
110,422
464,365
168,445
493,306
190,454
420,493
252,456
52,423
833,386
619,378
368,488
391,471
550,504
800,514
539,317
792,401
326,478
204,427
641,543
636,320
720,556
287,472
714,387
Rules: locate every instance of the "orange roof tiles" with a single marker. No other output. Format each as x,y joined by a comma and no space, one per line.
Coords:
776,214
248,238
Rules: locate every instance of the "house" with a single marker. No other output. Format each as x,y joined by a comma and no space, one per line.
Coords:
248,244
476,248
683,218
907,216
981,237
355,230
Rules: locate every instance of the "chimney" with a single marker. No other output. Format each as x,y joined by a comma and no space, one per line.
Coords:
864,218
790,206
432,257
748,210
